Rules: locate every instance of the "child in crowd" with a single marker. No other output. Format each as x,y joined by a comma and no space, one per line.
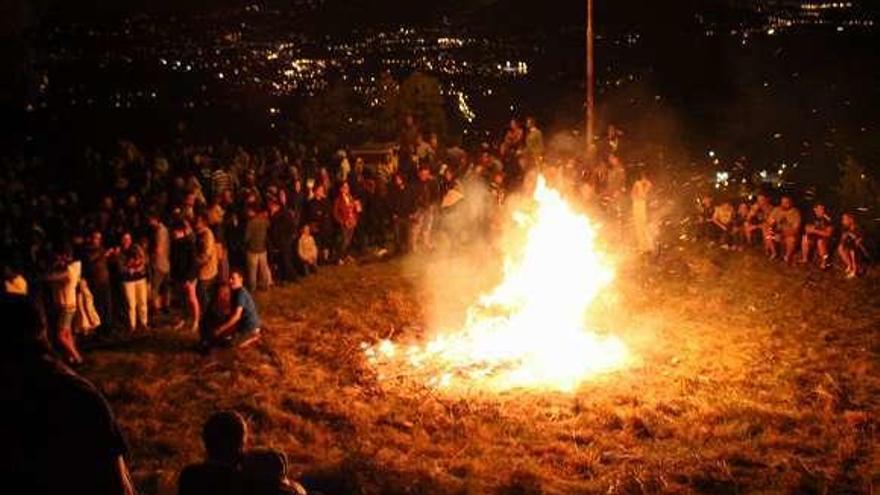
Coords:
308,251
851,248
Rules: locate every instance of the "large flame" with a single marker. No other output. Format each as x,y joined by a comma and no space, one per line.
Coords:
529,331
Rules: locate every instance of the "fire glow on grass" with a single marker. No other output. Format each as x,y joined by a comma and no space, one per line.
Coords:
528,331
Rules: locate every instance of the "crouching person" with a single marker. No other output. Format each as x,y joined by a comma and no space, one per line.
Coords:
242,328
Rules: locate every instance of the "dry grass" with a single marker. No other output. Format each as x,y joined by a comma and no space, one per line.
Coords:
751,378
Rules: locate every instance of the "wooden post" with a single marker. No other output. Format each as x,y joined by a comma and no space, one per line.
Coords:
590,83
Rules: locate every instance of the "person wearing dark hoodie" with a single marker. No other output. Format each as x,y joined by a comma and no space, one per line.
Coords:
60,435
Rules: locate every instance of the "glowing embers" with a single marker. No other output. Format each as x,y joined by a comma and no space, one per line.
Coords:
529,331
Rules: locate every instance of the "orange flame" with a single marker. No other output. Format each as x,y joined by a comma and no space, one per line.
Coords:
529,331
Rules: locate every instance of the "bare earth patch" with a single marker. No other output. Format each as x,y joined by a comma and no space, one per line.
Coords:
750,377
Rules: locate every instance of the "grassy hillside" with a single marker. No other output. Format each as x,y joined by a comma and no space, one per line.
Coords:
749,377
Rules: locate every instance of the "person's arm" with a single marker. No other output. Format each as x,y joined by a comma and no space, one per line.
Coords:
58,276
127,486
230,323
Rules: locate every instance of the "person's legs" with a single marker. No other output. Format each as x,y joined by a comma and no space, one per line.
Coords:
822,250
347,237
130,304
845,257
770,243
790,243
252,261
263,270
65,335
415,233
102,298
141,299
427,229
806,248
192,301
288,265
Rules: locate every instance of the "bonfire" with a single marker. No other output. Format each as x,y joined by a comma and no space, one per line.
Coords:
530,331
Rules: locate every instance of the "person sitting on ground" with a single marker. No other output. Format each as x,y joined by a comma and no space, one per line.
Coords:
705,211
308,251
722,223
757,218
243,325
817,233
264,472
740,226
59,436
225,437
785,223
851,248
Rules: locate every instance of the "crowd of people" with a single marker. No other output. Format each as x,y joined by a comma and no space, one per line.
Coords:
189,233
187,236
784,232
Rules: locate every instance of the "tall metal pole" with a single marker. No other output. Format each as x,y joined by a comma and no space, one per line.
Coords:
590,83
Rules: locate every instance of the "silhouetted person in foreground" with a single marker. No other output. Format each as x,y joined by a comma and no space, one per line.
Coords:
60,436
224,436
264,472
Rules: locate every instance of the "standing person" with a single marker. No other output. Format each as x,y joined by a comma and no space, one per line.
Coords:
817,233
216,220
96,271
59,436
63,280
320,218
641,190
184,270
255,240
534,141
308,251
401,207
851,247
160,263
616,190
207,265
346,210
243,325
426,196
133,268
513,141
282,237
